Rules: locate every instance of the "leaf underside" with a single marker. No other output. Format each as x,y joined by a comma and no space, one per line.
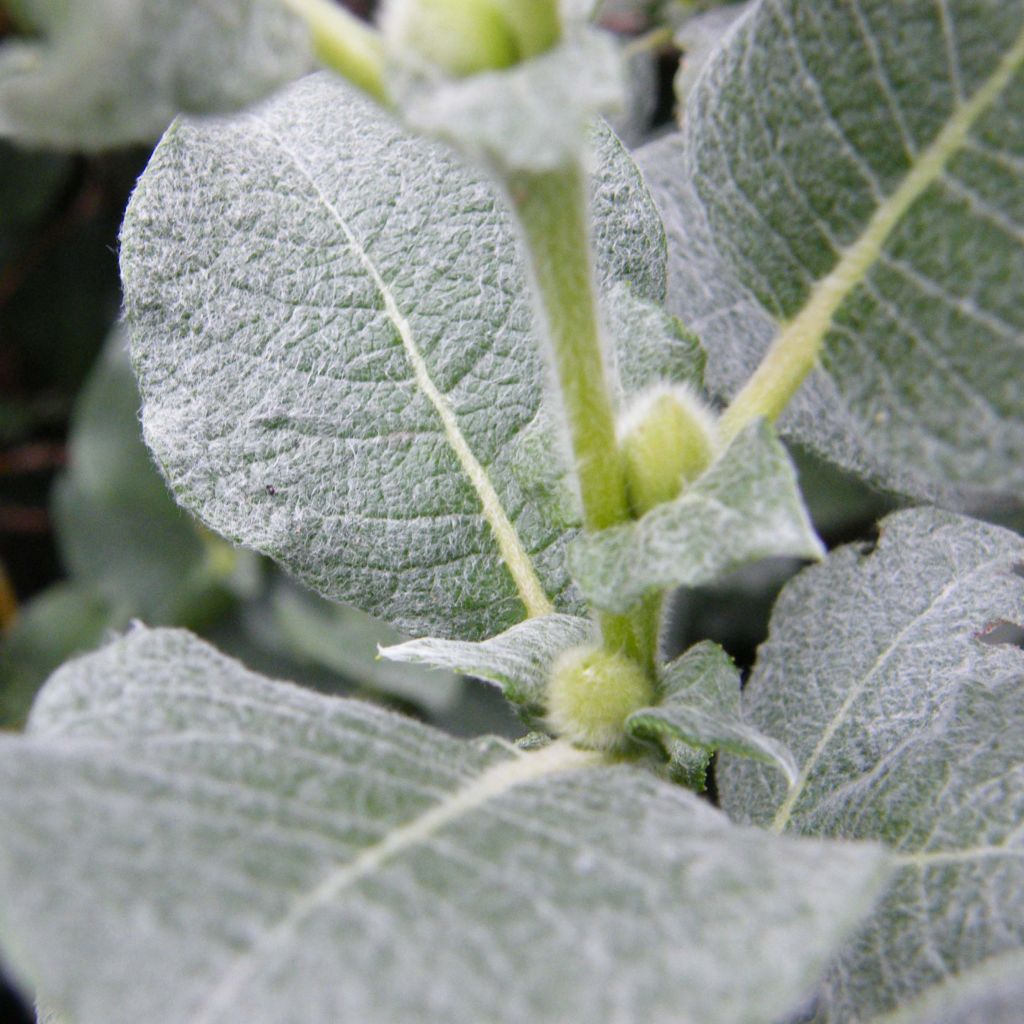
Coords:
333,335
519,661
871,151
908,727
701,707
281,856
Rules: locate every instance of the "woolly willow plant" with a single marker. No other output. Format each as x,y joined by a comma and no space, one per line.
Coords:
409,326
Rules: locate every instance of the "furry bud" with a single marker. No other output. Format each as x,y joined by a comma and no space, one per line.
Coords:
668,439
591,694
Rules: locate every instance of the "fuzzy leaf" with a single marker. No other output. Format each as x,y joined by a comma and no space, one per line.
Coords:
650,346
907,723
701,707
117,527
530,117
338,364
108,72
285,856
518,661
992,993
746,506
851,172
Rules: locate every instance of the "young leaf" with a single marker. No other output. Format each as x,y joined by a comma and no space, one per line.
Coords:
908,727
332,329
285,856
108,72
848,175
531,117
701,707
745,507
518,661
991,993
650,346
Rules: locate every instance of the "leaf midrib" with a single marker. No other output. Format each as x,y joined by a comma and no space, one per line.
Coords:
797,344
513,552
491,784
785,810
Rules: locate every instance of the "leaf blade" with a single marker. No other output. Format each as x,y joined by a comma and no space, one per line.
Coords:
261,803
745,507
518,661
798,215
336,457
72,88
939,775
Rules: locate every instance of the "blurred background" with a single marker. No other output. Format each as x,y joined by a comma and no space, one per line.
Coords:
90,540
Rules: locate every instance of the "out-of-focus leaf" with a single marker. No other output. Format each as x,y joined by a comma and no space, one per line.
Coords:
345,640
101,73
285,856
64,620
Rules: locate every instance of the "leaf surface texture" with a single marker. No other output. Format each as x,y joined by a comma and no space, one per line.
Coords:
333,335
283,856
849,174
907,727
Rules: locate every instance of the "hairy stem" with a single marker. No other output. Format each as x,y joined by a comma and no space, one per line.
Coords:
344,44
552,209
553,213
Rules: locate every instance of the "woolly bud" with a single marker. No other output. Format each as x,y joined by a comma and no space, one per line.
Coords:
668,438
464,37
591,694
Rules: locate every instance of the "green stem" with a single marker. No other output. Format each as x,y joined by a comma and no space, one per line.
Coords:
648,617
553,212
552,209
344,44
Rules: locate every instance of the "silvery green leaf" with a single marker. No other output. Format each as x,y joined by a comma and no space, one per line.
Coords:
531,117
119,530
186,841
884,674
109,72
991,993
697,39
649,346
850,172
338,364
701,707
745,507
518,661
